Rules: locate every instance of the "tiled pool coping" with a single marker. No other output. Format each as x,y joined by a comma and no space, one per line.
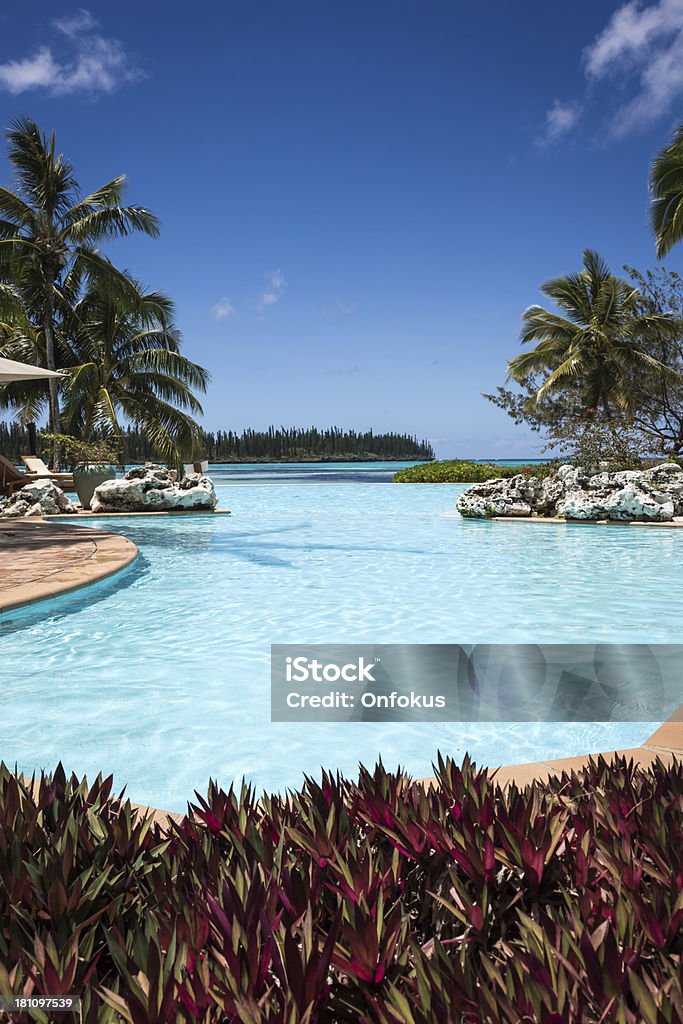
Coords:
579,522
666,743
39,559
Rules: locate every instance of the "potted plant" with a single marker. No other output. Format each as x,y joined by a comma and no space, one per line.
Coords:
92,462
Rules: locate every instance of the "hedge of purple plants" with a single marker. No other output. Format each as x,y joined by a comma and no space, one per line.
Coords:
373,901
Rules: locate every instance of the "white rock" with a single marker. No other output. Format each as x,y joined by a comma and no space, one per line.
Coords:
639,502
512,497
652,495
153,489
40,498
580,505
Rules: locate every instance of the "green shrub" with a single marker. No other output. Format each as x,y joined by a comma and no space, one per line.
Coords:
460,471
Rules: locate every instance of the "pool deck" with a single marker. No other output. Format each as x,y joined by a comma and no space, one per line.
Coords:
39,559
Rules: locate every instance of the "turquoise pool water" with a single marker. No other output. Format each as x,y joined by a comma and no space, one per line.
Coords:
162,674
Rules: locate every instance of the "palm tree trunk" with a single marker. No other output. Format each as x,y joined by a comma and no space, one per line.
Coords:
49,328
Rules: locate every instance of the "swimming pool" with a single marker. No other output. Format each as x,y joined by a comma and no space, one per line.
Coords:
161,675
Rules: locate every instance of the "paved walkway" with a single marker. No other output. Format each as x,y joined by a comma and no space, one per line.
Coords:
40,560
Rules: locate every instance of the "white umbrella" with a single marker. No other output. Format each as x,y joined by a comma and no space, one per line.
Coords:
11,370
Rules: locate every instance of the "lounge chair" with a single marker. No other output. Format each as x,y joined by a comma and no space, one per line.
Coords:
38,468
11,478
195,467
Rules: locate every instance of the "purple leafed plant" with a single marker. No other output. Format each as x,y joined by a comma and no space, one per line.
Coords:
374,901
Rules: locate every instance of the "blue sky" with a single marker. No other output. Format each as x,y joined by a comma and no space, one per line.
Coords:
359,198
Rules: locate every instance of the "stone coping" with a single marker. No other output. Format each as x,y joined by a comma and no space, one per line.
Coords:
567,522
39,559
83,513
666,743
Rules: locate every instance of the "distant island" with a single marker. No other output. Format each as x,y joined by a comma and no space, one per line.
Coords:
279,444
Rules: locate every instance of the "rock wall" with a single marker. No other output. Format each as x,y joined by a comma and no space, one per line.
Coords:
649,495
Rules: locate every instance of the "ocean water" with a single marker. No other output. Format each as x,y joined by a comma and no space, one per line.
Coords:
161,675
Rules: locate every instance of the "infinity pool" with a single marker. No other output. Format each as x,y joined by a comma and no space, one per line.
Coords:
161,675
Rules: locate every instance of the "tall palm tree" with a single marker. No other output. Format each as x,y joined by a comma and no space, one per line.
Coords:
666,186
597,347
125,362
49,231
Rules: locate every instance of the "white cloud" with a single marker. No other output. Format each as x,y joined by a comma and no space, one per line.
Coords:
645,43
641,49
40,70
74,24
276,289
223,309
631,33
95,63
559,120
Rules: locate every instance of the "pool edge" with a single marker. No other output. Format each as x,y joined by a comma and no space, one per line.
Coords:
111,552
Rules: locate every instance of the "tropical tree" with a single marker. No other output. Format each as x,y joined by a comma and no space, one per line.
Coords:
124,364
666,187
20,339
593,352
49,231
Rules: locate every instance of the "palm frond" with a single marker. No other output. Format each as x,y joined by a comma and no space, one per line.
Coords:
16,212
666,187
538,325
46,179
172,364
107,195
114,222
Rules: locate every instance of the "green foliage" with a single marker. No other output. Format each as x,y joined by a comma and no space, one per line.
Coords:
125,363
666,187
64,305
103,450
294,444
654,411
272,445
598,346
588,443
373,901
658,402
460,471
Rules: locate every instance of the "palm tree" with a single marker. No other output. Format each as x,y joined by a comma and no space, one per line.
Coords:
20,340
597,347
666,186
48,231
125,362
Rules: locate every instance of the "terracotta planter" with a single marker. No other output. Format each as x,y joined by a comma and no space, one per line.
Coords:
88,476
